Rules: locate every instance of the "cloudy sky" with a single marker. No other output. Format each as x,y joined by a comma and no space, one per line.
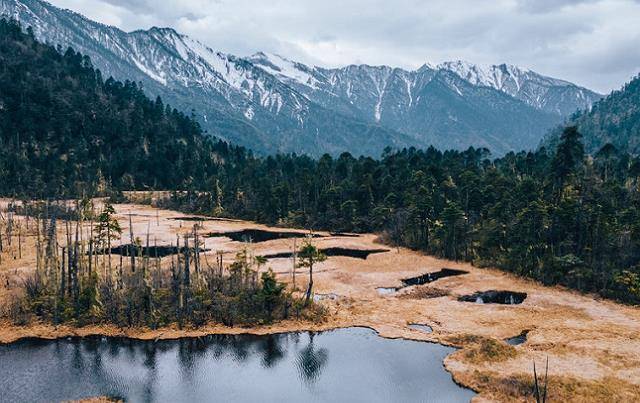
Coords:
595,43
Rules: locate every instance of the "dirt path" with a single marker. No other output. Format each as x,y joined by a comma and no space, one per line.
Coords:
593,346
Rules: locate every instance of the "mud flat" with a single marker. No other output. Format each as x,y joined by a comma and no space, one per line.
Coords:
592,345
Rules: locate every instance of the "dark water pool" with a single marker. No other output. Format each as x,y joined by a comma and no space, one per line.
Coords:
337,366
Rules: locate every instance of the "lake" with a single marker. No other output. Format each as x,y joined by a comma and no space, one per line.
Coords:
353,364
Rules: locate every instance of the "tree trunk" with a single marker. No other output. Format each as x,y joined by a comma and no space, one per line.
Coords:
310,287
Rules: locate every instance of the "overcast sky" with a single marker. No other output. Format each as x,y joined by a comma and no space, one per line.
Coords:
595,43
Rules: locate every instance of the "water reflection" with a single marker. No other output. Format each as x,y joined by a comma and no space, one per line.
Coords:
311,361
343,365
271,350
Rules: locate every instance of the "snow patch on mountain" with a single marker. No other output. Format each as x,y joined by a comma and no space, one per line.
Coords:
284,68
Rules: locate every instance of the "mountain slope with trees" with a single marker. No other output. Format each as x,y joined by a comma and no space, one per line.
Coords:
614,120
63,127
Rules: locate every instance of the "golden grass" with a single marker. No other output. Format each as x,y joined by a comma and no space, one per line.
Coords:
479,349
519,388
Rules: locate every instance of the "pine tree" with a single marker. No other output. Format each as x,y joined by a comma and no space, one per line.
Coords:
308,256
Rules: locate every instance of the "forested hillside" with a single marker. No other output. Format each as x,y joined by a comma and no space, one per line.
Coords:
64,129
614,119
559,217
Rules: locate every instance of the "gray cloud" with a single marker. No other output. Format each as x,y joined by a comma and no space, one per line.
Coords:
590,42
545,6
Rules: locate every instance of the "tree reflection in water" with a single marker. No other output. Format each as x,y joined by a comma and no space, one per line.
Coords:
311,361
271,349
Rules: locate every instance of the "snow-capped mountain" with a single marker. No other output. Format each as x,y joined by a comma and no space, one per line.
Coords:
466,103
541,92
270,103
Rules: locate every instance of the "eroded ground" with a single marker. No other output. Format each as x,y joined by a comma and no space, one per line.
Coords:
593,346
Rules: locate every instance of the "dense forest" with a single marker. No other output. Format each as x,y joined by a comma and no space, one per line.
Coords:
65,130
560,216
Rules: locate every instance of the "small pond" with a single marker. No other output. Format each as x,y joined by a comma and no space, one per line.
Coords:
352,365
259,235
431,277
337,251
517,340
495,297
151,251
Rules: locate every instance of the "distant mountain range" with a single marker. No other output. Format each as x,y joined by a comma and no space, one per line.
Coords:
614,119
270,104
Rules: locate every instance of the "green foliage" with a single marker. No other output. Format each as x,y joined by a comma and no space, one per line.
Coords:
628,282
271,291
89,304
569,155
107,227
308,256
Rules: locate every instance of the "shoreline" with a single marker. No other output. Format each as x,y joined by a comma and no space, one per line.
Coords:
10,334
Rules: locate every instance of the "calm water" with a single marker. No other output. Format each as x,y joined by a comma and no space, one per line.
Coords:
352,365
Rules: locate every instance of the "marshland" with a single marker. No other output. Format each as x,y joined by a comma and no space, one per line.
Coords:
268,297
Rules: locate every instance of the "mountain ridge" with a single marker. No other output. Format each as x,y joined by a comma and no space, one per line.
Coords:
358,108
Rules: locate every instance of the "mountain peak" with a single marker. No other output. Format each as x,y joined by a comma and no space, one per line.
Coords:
427,66
477,74
160,30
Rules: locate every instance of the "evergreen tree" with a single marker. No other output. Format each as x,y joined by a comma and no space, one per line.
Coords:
308,256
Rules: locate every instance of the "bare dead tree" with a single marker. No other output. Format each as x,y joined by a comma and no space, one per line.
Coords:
539,386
